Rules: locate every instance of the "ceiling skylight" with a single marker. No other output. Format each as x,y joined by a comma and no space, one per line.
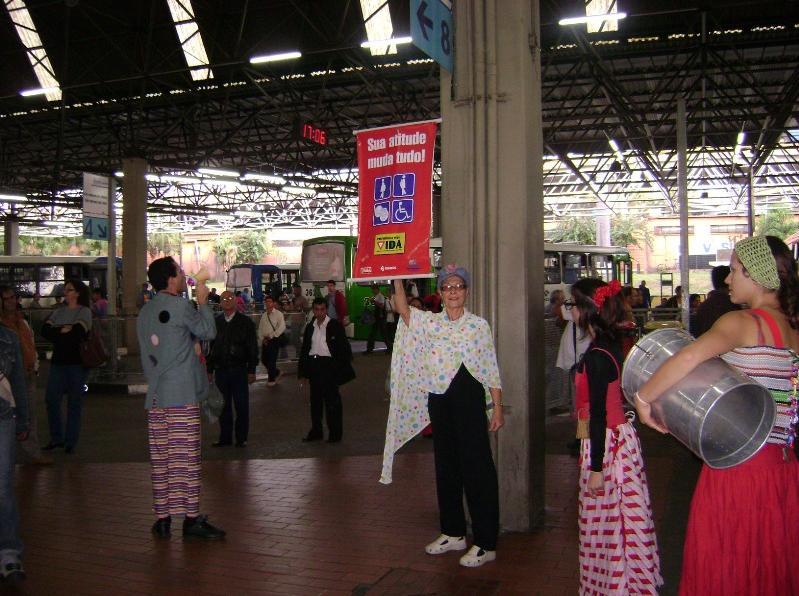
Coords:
602,7
37,55
377,19
190,39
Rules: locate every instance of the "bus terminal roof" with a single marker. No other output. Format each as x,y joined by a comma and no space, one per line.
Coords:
608,100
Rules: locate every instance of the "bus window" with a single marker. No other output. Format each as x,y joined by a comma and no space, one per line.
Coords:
51,280
573,267
323,261
24,280
551,268
602,267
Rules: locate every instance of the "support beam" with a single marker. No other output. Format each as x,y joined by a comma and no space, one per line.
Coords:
11,237
682,200
492,221
134,241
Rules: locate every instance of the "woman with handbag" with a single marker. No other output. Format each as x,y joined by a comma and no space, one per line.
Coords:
271,337
67,327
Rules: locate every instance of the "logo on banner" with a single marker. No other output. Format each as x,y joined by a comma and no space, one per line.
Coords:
390,244
402,211
382,188
381,215
404,185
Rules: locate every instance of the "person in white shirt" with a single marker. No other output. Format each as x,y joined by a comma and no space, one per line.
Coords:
326,361
271,336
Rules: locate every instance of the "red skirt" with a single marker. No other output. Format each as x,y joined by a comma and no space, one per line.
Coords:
743,527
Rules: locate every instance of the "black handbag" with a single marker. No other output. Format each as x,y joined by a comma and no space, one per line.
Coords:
93,352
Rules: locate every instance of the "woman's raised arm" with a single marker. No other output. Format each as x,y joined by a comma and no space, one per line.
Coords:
401,302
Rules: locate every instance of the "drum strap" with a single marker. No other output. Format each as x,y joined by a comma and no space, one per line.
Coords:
761,315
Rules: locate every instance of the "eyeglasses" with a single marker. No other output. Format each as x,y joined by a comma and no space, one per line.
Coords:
227,298
453,287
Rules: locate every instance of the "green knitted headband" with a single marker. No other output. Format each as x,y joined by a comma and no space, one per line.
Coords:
755,254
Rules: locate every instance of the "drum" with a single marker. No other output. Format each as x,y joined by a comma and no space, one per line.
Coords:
719,413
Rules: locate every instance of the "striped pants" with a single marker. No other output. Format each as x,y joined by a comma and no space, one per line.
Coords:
174,438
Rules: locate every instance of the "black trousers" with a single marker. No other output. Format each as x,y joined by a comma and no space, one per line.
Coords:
270,352
463,461
381,326
325,396
232,383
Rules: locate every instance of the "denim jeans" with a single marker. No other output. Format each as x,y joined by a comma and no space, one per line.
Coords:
69,379
10,544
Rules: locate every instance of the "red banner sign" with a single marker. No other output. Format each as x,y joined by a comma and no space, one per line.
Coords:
395,166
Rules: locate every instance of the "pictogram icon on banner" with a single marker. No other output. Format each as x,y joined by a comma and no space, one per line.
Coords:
382,188
404,185
402,211
381,214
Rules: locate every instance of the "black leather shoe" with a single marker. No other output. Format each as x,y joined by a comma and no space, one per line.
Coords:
198,527
161,528
50,446
69,449
311,437
241,443
221,444
334,440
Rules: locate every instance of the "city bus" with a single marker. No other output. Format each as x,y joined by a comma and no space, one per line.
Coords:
565,263
331,257
262,280
30,275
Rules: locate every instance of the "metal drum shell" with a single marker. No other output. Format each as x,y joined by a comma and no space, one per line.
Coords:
719,413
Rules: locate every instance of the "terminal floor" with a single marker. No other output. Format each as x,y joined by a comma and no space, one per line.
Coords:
301,518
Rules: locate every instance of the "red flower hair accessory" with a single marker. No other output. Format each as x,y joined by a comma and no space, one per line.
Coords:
602,294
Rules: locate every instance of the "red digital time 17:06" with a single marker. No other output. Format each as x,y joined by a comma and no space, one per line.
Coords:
314,134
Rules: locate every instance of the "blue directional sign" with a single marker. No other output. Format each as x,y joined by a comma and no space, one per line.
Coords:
382,188
95,228
402,211
431,30
404,185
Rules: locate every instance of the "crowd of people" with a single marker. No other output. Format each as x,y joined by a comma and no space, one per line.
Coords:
445,373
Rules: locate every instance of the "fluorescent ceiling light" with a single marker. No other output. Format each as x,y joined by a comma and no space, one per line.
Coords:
613,145
40,91
377,21
593,19
249,213
119,174
384,42
741,138
216,172
9,198
180,179
299,190
37,55
152,178
191,41
275,57
222,217
264,178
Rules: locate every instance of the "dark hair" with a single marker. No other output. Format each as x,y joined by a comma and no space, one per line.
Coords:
331,281
319,300
269,297
580,290
693,297
84,299
788,292
603,321
160,271
717,276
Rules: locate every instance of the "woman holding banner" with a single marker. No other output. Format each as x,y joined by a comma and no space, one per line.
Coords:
743,519
449,358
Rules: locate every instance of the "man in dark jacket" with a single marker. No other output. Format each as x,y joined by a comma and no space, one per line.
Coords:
233,358
326,361
716,304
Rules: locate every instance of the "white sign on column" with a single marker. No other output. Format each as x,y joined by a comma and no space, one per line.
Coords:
95,206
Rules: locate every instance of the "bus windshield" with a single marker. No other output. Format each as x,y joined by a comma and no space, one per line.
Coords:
323,261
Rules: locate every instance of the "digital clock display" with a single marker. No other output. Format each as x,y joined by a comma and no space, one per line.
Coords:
311,133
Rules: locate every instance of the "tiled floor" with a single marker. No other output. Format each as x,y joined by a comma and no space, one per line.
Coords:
315,521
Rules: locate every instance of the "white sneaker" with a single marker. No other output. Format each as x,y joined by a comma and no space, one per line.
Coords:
477,556
445,543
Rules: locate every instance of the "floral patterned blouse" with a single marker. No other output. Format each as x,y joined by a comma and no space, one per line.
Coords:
427,355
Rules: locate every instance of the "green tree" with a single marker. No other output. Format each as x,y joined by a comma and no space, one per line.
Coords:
164,244
776,222
630,230
575,229
242,247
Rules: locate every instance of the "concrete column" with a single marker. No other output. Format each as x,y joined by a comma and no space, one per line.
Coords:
134,241
11,237
492,222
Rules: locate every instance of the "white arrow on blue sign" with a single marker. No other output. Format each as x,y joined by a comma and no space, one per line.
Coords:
431,30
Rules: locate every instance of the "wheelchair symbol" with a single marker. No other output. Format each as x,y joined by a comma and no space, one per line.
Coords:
402,211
